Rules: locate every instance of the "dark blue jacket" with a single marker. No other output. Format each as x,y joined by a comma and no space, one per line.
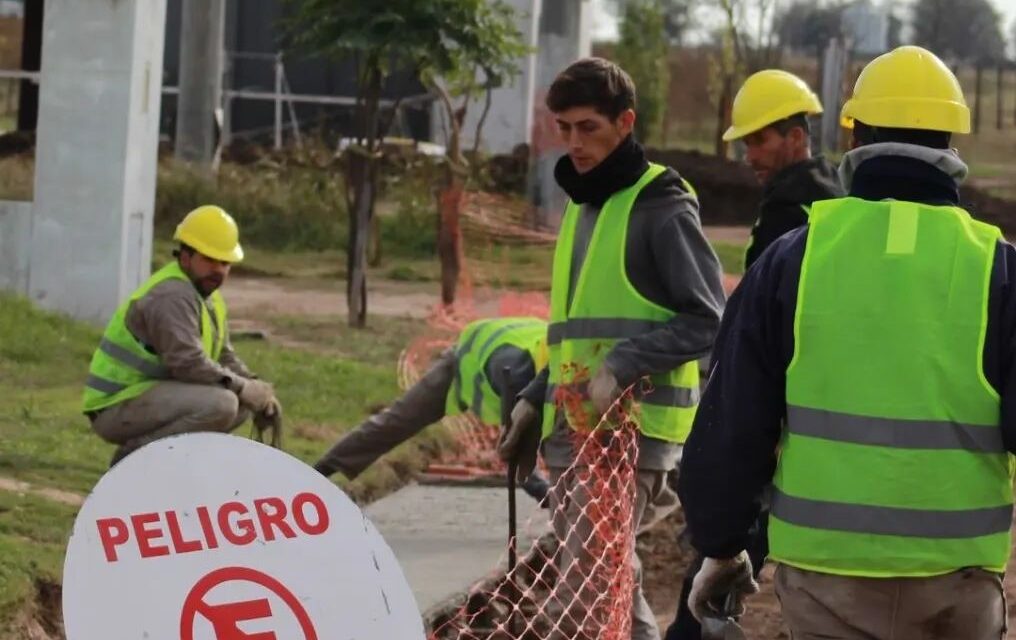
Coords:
730,457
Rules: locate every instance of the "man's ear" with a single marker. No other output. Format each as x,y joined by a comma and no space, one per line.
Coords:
626,121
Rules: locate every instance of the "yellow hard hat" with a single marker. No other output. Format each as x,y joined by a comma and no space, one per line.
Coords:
908,88
212,232
767,97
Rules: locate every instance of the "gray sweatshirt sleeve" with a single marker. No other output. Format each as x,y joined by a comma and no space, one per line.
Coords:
690,276
167,320
231,361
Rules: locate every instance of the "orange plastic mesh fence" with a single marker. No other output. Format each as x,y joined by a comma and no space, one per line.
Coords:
576,582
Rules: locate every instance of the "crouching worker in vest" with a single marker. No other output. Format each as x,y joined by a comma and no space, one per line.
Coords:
464,378
636,295
165,365
865,370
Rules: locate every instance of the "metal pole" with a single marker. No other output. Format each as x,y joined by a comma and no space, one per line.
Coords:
278,101
507,396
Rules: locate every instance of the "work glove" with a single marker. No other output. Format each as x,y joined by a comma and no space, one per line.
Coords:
256,395
604,391
720,587
269,420
520,443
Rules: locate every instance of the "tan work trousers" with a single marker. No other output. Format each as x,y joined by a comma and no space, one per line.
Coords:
576,592
168,409
964,605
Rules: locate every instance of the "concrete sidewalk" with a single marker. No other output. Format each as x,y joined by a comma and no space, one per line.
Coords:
449,538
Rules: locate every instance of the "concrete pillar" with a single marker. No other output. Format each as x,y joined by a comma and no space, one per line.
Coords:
201,51
834,65
565,36
510,121
91,228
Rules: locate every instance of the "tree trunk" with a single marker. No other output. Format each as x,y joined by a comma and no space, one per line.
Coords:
374,250
362,178
722,115
449,238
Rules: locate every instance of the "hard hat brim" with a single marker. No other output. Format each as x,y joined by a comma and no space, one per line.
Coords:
926,114
736,133
236,255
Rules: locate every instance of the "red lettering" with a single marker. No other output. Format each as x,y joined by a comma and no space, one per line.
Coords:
211,541
277,518
112,532
145,535
302,499
244,532
179,544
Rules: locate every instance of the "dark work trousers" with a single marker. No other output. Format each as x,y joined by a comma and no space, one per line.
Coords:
685,626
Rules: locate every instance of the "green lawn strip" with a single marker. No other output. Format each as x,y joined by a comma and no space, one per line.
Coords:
33,533
48,443
731,257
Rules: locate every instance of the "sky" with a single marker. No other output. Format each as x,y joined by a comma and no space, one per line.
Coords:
605,24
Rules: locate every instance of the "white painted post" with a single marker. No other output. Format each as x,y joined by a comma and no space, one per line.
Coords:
95,171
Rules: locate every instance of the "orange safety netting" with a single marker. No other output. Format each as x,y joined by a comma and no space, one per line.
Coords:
577,582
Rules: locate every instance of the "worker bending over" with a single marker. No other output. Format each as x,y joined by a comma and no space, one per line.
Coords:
465,378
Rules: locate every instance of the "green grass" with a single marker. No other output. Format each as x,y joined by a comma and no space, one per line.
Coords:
327,387
32,538
731,257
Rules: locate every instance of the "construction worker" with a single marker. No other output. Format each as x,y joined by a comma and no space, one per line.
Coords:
464,378
636,296
165,365
865,369
770,116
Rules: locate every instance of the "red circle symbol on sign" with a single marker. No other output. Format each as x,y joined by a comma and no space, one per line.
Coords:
226,617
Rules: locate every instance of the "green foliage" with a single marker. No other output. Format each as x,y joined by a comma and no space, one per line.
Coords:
280,206
642,52
411,231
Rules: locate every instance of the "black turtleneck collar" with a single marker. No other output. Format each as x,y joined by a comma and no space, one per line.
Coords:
904,178
620,170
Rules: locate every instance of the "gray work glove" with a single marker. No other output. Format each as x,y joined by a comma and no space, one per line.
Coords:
604,391
269,420
520,443
256,395
719,580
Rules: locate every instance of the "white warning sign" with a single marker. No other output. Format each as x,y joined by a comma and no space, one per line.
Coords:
214,537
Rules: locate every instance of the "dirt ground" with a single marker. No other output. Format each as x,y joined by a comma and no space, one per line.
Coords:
665,564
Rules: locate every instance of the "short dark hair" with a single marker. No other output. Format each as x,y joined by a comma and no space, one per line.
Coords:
593,82
183,248
784,126
867,134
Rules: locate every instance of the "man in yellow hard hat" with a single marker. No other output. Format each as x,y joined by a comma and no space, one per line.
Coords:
770,116
165,365
874,350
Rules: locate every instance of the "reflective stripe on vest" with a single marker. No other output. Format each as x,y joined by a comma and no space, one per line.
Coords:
605,309
122,368
892,461
471,390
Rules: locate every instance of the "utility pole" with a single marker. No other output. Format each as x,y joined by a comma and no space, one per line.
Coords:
201,53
